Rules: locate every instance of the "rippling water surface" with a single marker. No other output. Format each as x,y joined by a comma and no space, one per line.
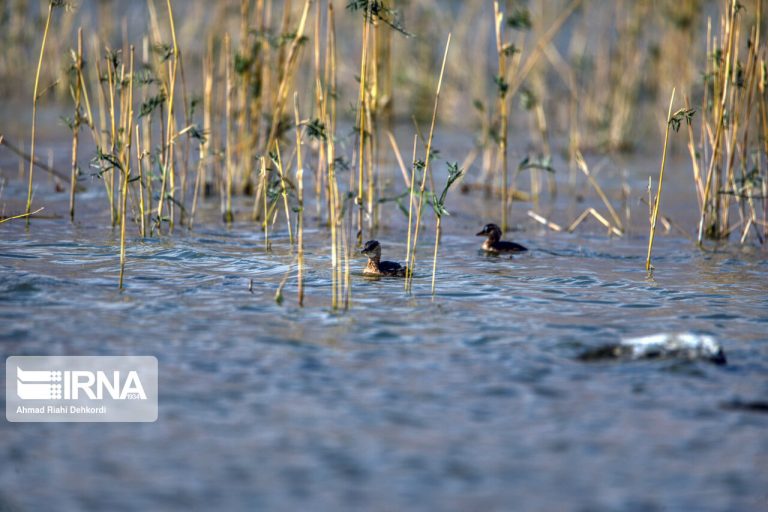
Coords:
471,400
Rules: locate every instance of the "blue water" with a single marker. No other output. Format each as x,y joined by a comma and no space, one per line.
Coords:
471,400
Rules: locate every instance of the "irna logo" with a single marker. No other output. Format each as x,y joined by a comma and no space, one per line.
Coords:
81,388
77,384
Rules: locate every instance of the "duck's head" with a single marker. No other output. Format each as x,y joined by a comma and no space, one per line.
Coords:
492,231
372,249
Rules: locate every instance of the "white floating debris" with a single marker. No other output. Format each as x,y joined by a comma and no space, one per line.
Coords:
687,346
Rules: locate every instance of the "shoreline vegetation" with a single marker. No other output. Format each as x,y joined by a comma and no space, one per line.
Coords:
254,109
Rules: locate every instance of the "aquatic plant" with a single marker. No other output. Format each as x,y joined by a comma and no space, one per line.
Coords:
411,265
52,4
504,51
656,202
438,205
300,198
167,166
125,157
733,105
76,92
236,136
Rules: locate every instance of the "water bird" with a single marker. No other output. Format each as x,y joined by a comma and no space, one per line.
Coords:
494,244
376,267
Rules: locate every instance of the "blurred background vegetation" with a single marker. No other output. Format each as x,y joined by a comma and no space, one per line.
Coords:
609,67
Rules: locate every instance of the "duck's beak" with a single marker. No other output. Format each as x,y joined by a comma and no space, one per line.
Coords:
362,251
481,233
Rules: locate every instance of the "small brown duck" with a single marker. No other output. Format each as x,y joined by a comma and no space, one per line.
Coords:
376,267
494,244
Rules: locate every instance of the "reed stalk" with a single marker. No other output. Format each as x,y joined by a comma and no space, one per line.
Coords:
438,233
361,118
502,52
264,179
438,205
21,215
28,211
77,91
346,250
410,185
319,110
187,140
244,82
333,194
284,192
329,113
300,191
111,80
140,165
287,65
288,70
582,165
204,156
101,136
422,188
262,66
126,159
168,141
657,201
228,216
719,114
372,155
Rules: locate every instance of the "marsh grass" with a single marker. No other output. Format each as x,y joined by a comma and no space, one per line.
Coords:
655,203
127,131
734,86
251,68
300,199
76,92
422,188
438,205
503,50
51,5
361,120
229,142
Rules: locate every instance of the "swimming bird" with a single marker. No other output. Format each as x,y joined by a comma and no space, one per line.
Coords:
376,267
494,244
